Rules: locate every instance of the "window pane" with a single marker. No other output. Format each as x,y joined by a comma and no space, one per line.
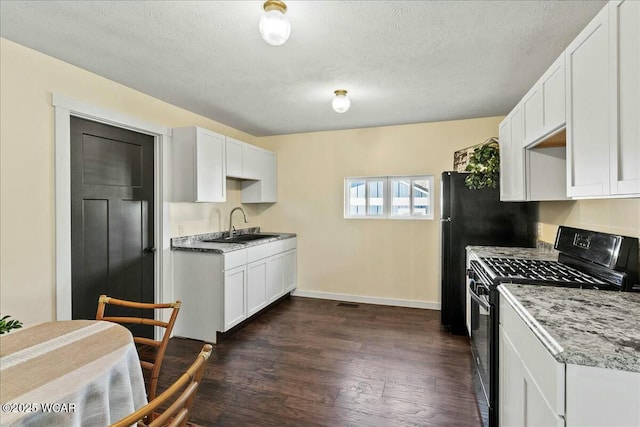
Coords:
400,193
357,201
376,198
421,198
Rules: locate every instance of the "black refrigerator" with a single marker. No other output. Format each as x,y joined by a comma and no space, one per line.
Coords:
475,217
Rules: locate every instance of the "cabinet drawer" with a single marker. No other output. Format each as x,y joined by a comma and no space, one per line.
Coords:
546,372
289,244
234,259
255,253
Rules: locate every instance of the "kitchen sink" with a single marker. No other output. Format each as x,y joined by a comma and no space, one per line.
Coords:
241,238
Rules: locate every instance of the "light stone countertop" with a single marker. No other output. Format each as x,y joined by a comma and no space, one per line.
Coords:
590,327
195,243
546,254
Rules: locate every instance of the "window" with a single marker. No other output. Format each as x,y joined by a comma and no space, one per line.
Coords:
396,197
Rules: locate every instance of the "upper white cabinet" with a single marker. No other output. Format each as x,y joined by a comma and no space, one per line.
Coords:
198,165
624,26
512,159
265,190
588,110
243,160
544,104
603,96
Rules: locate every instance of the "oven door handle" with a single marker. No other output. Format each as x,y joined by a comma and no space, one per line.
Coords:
477,299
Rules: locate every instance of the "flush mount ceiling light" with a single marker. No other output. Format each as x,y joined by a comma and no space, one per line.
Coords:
341,102
274,24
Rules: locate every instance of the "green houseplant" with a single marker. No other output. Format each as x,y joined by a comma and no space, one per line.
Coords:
8,325
484,166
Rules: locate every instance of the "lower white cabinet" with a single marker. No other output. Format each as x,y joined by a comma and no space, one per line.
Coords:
274,278
537,390
218,291
290,270
235,308
256,286
531,380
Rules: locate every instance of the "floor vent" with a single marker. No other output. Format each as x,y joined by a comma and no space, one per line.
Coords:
348,305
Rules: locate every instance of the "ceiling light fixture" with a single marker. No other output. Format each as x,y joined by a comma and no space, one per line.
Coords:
274,24
341,102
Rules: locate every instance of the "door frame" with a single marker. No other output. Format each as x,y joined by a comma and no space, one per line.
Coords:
64,108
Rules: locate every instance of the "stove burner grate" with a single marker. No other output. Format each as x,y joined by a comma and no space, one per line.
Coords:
544,271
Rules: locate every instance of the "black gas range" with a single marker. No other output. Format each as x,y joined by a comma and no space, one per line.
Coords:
586,259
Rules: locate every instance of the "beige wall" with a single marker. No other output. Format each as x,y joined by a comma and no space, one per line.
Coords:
27,80
374,258
616,216
397,259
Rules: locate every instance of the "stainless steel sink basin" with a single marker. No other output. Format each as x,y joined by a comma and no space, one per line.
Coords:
241,238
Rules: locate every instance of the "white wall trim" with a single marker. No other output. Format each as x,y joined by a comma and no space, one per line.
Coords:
64,108
367,300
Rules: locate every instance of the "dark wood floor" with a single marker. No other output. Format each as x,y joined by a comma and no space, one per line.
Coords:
312,362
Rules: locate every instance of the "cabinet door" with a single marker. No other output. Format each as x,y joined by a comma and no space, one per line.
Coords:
251,162
588,110
512,157
211,183
256,286
504,132
289,267
274,277
234,296
624,21
553,97
269,183
234,157
521,401
511,386
532,104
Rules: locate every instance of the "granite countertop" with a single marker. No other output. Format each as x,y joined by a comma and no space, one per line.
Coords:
546,253
195,243
587,327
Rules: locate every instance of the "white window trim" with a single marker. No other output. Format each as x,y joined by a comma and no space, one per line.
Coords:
387,197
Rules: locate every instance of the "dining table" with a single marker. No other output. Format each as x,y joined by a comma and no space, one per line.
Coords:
69,373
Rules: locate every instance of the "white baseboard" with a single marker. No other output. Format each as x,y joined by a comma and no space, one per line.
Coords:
367,300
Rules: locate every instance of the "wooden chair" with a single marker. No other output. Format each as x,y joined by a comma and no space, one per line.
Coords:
177,414
150,351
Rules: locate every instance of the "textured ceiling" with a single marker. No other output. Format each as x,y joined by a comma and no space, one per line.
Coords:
401,61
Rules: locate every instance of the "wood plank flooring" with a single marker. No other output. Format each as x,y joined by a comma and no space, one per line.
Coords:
310,362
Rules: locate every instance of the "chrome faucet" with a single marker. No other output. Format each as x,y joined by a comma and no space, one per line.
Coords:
231,229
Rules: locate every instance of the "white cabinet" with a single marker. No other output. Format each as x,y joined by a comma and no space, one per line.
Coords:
603,105
218,291
544,104
289,270
512,160
602,397
234,289
274,282
588,109
264,190
243,160
624,23
537,390
198,165
546,172
532,382
256,286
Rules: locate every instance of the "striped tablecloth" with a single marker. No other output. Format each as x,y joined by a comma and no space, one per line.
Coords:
69,373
